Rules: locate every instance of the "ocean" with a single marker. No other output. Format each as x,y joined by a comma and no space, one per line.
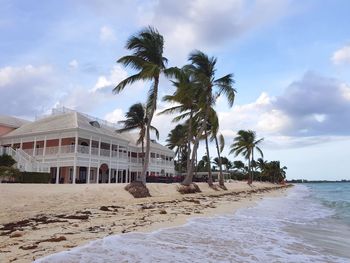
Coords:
311,223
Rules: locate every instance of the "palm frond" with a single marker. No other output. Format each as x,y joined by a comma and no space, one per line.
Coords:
129,80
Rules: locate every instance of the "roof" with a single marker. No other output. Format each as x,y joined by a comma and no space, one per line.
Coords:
133,137
13,122
58,122
73,120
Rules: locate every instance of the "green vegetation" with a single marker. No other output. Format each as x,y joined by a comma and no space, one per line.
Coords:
245,143
197,90
136,118
34,178
7,160
147,58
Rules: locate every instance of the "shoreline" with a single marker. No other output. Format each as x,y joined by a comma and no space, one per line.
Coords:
58,218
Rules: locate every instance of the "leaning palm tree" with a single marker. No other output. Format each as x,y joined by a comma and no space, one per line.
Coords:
136,119
245,143
203,70
185,100
177,140
261,165
219,143
147,58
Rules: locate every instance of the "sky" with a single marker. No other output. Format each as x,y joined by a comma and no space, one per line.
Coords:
290,60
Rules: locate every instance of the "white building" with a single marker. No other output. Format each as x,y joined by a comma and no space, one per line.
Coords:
77,148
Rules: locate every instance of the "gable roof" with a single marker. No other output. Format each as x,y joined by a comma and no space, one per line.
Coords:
65,121
12,122
133,137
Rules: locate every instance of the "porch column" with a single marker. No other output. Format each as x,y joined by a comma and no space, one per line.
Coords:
57,174
99,147
44,150
21,144
88,175
34,146
97,175
75,158
58,157
110,162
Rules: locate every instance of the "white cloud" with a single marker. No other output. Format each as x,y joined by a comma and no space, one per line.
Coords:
116,74
345,91
115,116
74,64
341,56
107,34
202,24
27,90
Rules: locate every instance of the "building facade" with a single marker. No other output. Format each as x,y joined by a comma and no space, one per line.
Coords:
77,148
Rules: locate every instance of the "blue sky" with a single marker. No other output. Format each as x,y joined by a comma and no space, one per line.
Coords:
291,61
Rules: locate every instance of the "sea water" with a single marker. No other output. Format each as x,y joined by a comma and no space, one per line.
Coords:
311,223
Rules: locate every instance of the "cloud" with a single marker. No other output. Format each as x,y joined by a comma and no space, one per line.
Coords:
87,99
341,56
107,34
314,109
74,64
116,75
115,116
317,105
27,90
199,24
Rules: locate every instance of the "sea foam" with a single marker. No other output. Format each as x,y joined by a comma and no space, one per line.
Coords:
263,233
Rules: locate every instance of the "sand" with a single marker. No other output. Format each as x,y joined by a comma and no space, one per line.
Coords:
38,220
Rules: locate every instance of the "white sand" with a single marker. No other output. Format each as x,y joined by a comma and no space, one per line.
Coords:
20,202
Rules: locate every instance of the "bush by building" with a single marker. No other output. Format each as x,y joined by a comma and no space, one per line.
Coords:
34,178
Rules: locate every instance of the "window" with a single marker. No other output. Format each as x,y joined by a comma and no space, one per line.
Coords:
95,124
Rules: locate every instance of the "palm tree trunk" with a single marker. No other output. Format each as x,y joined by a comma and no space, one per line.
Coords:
196,165
210,176
252,176
189,177
221,178
249,171
148,138
189,137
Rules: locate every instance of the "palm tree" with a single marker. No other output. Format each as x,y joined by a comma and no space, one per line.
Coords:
219,143
147,58
245,143
136,119
177,140
239,165
226,162
261,165
185,98
274,171
203,70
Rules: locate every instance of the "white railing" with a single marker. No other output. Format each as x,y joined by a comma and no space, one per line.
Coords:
67,149
104,152
52,150
39,151
83,149
25,162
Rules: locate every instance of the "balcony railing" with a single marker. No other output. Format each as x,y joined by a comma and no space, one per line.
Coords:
67,149
121,155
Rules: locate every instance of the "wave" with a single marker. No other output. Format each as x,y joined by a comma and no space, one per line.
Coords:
262,233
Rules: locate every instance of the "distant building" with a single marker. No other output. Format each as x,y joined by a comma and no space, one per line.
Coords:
8,124
77,148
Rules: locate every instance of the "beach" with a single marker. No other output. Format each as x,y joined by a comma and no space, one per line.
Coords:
39,220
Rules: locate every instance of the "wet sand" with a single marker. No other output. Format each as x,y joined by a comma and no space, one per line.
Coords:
38,220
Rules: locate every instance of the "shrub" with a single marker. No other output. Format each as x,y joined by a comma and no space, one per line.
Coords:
9,174
34,178
6,160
